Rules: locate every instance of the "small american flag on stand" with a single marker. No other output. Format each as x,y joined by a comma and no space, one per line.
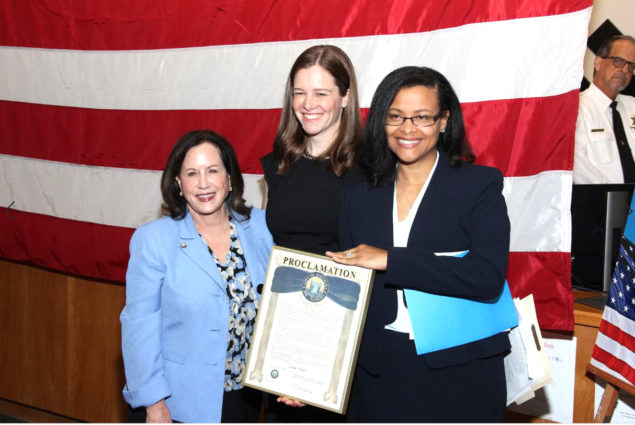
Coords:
614,351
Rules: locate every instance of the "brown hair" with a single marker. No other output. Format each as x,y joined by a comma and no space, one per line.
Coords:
174,204
290,141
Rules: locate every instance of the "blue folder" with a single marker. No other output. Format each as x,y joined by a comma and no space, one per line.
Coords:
629,230
440,322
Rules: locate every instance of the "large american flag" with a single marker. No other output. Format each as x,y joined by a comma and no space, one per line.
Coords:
614,351
93,94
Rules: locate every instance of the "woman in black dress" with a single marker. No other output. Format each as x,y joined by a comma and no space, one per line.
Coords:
314,151
313,158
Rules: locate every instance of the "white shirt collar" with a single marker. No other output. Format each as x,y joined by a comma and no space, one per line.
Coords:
600,97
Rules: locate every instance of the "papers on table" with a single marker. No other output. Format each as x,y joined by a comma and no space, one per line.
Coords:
554,401
527,366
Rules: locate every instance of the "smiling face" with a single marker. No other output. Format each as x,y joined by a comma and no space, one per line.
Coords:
204,180
412,144
317,104
610,79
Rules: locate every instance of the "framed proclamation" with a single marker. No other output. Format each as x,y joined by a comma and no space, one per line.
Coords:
308,328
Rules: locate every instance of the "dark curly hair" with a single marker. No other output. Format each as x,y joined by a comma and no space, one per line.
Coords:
375,158
174,204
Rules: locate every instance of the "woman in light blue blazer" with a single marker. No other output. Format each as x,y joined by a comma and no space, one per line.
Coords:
191,296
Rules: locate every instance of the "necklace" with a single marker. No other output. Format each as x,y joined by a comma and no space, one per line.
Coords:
399,183
405,195
307,155
205,236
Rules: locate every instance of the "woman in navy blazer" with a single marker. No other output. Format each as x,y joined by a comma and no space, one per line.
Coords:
425,202
191,294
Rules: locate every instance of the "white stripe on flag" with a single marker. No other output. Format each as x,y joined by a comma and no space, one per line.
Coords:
486,61
112,196
608,370
616,319
130,197
535,206
615,348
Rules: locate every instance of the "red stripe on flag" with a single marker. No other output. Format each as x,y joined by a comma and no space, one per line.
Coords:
163,24
614,363
524,137
119,138
101,252
617,334
70,246
546,275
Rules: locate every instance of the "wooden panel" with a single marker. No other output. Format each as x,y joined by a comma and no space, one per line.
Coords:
30,414
587,322
584,396
61,343
34,311
585,314
95,337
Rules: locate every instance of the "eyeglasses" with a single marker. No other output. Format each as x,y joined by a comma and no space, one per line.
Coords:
417,120
618,62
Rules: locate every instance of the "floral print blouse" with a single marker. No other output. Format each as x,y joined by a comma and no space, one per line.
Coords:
243,303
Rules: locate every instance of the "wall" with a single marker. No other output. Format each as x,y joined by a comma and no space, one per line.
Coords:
60,340
621,14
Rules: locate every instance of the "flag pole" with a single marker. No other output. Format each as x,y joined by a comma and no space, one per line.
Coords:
609,399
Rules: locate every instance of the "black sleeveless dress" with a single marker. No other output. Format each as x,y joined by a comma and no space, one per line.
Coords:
303,206
303,209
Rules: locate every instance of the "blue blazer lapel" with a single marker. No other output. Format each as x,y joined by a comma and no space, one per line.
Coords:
245,235
193,246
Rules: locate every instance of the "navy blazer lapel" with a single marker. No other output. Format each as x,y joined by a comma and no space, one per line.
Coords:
385,203
193,246
376,227
422,217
